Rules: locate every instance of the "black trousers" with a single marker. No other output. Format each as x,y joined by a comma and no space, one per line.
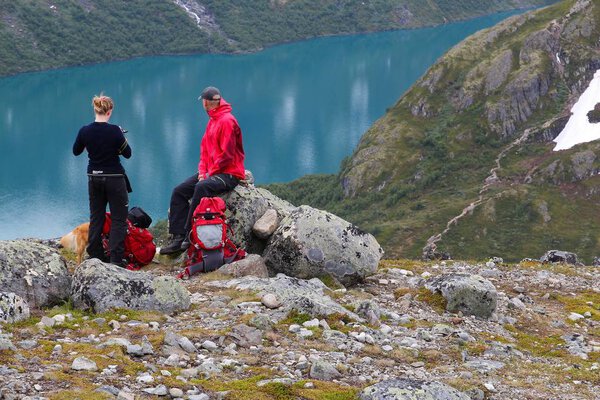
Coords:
111,190
182,209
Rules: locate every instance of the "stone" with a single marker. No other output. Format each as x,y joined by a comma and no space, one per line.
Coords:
261,321
558,256
271,301
160,390
516,303
123,395
84,364
575,316
266,225
201,396
34,272
175,392
186,344
245,336
28,344
370,311
312,243
13,308
209,345
48,322
411,389
245,206
6,344
469,294
324,371
252,265
101,287
145,378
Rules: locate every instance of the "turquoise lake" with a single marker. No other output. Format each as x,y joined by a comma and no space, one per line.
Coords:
302,108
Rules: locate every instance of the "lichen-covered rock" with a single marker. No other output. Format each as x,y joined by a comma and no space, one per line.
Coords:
101,287
13,308
470,294
34,272
558,256
245,206
410,389
306,297
313,243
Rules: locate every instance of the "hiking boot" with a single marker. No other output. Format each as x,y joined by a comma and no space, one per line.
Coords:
186,243
174,245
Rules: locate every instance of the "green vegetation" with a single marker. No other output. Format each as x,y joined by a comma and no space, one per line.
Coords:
36,34
427,159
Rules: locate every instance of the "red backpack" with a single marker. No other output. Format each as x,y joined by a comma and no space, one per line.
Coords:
139,245
210,248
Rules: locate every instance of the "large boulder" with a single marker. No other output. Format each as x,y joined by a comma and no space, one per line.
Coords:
13,308
246,205
312,243
34,272
411,389
101,287
470,294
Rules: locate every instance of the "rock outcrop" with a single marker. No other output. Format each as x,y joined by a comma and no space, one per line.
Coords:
313,243
34,272
100,287
559,256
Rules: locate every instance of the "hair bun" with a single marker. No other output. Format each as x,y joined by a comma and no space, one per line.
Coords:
102,104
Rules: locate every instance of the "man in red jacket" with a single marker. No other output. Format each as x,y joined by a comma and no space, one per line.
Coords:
220,169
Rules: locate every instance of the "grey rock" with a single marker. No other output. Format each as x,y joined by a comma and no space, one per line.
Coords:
108,389
252,265
209,345
469,294
123,395
175,392
516,303
13,308
312,243
559,256
261,321
160,390
370,311
270,300
295,294
6,344
28,344
246,204
410,389
201,396
266,225
101,287
34,272
48,322
245,336
84,364
186,344
484,366
323,371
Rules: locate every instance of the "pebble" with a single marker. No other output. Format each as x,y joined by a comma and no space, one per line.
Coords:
176,392
145,378
575,316
313,323
209,345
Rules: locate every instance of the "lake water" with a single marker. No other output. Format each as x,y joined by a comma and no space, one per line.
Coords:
302,108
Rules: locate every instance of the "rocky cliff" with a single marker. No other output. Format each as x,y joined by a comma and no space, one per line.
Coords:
464,162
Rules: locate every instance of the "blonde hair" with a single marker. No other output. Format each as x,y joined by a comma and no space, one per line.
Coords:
102,104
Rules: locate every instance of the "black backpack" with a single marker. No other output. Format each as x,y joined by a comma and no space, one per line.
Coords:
139,218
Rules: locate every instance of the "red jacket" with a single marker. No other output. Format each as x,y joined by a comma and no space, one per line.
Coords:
221,150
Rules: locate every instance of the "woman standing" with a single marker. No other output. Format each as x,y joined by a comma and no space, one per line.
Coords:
107,182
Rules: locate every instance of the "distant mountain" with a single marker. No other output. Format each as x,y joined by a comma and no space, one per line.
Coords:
464,162
40,34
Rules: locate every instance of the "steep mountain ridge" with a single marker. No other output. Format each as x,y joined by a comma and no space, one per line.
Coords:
463,162
41,34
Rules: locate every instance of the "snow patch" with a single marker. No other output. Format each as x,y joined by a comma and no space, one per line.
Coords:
579,129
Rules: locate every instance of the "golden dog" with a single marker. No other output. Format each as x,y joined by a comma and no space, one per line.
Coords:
77,240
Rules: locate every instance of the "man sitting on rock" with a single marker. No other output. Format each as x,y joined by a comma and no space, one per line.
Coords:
220,170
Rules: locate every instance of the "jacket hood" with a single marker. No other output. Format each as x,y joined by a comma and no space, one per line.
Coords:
223,108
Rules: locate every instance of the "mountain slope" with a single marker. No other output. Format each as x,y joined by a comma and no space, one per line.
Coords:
463,162
40,34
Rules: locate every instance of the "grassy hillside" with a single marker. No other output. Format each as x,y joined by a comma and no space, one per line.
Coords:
40,34
499,97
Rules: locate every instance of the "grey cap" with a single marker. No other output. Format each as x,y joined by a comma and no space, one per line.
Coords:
210,93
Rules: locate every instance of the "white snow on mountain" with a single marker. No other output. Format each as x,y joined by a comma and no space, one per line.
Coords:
579,129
